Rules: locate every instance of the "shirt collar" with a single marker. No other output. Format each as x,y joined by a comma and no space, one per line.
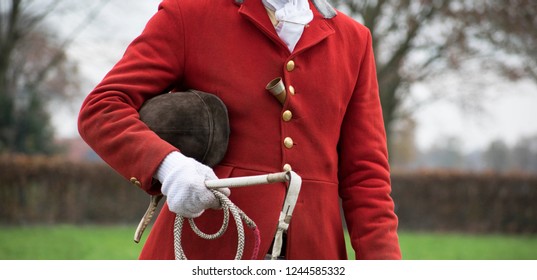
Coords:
324,8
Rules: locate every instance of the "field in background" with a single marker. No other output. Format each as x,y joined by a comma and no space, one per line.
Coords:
115,243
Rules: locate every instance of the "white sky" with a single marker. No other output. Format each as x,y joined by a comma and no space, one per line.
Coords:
511,110
508,116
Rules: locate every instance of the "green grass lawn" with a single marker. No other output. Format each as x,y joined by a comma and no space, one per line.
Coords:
68,243
451,246
115,242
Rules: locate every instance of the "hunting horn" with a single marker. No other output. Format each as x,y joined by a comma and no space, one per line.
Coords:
277,88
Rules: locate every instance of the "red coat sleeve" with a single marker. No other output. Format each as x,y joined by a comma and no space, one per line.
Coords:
364,170
109,121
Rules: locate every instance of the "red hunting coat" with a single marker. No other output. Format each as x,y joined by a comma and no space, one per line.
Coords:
333,117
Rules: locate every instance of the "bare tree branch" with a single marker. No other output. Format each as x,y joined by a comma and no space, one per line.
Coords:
69,40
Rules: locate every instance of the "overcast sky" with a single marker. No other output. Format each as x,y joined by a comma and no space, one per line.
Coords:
510,113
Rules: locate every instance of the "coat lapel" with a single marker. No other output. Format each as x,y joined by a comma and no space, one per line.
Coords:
254,11
315,32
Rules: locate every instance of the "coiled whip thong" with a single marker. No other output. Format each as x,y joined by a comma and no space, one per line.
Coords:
293,189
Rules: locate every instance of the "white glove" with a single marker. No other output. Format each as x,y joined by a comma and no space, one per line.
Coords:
183,183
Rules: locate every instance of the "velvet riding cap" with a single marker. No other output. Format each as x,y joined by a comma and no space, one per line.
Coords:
193,121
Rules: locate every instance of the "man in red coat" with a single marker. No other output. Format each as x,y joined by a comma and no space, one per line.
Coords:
329,130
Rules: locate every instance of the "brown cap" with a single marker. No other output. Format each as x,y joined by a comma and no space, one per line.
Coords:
193,121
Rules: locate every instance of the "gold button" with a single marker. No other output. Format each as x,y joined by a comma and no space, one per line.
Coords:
287,167
288,142
292,90
287,115
135,181
290,65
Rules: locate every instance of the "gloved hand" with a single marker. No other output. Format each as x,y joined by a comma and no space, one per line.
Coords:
183,183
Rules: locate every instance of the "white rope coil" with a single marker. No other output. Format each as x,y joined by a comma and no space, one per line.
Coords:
227,206
239,216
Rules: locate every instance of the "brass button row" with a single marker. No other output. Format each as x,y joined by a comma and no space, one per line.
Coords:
287,115
290,66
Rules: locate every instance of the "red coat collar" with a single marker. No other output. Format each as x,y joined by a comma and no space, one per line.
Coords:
318,29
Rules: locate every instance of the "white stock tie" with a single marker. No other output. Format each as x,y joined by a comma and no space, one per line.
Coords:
292,17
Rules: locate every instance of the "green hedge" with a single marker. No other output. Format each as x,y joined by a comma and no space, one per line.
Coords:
480,203
50,190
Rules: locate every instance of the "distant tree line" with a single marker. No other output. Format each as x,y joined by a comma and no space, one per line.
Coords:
36,74
498,156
